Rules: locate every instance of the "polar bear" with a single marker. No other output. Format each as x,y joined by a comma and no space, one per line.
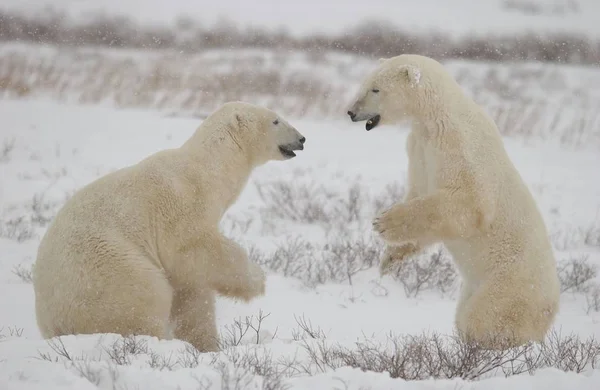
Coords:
463,191
139,251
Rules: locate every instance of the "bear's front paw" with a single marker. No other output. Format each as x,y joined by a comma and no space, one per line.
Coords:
386,263
390,225
393,255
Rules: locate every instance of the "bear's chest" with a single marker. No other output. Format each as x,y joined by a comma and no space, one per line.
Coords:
426,162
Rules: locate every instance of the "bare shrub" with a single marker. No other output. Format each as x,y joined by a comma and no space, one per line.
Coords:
18,229
592,235
93,369
160,362
190,357
410,357
239,225
575,237
203,383
294,258
345,258
37,213
59,348
11,331
238,367
339,260
430,271
576,275
436,356
311,203
238,372
236,332
124,348
295,201
568,353
23,273
7,148
305,329
393,193
592,298
333,209
86,370
42,211
234,378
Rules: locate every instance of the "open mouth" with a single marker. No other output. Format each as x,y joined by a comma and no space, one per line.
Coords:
371,123
288,150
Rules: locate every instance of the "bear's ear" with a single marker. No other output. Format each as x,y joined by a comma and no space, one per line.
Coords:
382,60
410,73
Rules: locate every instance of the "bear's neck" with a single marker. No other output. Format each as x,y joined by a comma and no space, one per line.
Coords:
219,170
437,117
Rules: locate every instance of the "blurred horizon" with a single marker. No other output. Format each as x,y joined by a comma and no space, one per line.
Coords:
455,18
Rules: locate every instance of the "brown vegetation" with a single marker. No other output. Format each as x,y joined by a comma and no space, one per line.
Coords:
372,38
530,100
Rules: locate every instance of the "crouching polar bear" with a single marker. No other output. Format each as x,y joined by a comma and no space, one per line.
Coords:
139,251
463,191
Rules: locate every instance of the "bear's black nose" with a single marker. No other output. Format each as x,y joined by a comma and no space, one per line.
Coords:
302,140
352,115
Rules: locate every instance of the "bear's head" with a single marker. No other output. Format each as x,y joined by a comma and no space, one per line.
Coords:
401,88
258,132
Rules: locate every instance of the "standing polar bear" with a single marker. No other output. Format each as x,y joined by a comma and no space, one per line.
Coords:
139,251
463,191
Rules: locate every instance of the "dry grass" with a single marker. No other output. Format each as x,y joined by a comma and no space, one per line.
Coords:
531,100
170,81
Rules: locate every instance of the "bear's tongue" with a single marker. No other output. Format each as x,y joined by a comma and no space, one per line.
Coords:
372,122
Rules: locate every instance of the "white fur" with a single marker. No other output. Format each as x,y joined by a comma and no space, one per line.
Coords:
464,191
139,251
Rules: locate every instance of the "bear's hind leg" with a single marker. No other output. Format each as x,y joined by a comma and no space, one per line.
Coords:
134,301
466,292
193,317
496,319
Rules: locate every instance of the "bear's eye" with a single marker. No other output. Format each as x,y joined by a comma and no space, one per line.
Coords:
375,90
276,122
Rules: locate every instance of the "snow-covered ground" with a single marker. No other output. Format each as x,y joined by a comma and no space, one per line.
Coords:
49,149
456,17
